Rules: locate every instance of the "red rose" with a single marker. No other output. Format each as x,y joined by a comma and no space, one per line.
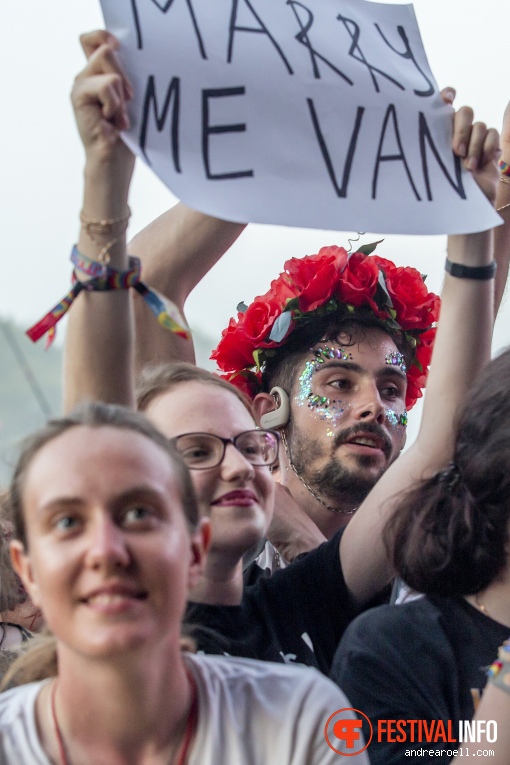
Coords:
359,281
235,349
313,277
280,291
259,319
250,384
425,347
414,388
416,307
416,377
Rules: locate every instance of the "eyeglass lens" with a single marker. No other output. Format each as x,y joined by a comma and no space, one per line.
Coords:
203,450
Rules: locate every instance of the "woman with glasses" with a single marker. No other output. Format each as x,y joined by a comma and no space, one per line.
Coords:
299,613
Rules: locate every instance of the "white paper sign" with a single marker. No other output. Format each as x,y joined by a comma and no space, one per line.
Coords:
317,113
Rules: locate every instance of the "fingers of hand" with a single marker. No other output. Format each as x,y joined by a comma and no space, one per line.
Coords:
505,130
491,146
107,92
462,124
448,95
111,96
91,41
104,59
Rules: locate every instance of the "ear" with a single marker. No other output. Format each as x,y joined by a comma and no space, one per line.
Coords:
263,403
23,567
200,542
273,411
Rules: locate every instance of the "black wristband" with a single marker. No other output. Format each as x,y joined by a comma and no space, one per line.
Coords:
481,273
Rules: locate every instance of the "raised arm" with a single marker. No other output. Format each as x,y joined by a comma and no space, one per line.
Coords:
99,345
462,348
177,250
502,233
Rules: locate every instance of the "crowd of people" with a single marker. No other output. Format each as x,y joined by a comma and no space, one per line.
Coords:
215,560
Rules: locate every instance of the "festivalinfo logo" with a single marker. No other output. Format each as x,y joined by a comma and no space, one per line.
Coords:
344,734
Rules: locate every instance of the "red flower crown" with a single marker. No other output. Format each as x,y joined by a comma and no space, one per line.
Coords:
331,281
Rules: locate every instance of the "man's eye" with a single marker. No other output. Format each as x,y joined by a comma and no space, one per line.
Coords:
342,384
138,514
391,392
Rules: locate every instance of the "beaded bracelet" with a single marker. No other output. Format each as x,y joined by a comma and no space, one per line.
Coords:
104,279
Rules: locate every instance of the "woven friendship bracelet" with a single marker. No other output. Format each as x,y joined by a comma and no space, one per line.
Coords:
504,167
103,279
499,672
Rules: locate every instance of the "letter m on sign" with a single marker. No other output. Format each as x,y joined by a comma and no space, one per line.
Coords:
150,108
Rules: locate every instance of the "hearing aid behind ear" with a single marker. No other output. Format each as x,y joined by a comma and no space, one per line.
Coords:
279,417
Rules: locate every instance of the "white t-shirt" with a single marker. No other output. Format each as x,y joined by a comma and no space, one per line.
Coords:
250,713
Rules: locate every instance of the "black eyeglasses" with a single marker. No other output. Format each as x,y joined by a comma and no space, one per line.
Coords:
201,451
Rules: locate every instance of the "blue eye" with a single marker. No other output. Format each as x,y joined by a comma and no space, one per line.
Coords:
66,522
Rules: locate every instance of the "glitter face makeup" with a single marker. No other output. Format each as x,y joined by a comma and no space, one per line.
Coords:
396,419
324,408
396,359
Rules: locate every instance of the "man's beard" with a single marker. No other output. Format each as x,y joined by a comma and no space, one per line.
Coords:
334,479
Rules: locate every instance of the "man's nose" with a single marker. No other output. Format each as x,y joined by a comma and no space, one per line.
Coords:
368,406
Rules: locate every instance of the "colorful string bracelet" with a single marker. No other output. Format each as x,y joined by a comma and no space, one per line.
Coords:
504,171
499,672
104,279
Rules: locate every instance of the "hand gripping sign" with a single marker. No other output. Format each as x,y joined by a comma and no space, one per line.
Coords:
317,113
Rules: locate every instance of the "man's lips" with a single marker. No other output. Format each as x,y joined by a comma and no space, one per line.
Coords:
236,498
366,442
367,439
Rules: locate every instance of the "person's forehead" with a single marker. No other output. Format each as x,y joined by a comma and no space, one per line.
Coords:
367,347
199,407
84,459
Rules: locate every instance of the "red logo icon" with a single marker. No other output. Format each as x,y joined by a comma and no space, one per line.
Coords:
343,734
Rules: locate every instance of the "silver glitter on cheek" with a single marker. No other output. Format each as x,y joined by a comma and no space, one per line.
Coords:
324,408
396,419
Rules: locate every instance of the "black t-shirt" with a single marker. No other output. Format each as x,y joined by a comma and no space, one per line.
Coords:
296,615
423,660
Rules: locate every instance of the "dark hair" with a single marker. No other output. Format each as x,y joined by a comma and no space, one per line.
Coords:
449,535
156,380
281,368
96,415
